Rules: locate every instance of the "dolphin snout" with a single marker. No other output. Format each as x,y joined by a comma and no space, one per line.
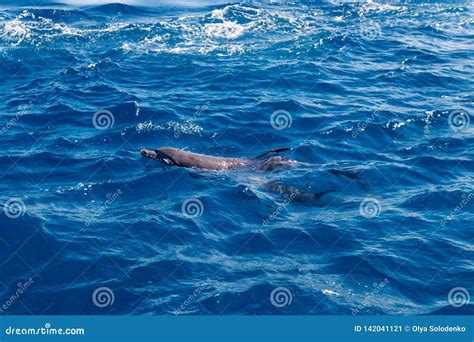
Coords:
148,153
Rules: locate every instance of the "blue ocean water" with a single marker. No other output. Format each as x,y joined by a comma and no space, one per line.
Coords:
374,99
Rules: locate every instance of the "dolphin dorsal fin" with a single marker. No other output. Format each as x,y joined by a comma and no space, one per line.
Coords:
277,150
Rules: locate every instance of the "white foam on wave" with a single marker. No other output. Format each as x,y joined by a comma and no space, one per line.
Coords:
185,127
148,126
227,29
219,13
215,31
15,31
188,3
373,6
28,27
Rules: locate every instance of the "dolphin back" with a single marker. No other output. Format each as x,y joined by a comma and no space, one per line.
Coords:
272,152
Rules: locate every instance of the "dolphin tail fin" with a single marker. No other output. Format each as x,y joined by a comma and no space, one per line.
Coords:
271,152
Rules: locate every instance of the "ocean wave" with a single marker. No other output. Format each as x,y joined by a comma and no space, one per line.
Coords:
374,100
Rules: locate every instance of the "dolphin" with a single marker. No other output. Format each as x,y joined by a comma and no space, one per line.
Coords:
175,157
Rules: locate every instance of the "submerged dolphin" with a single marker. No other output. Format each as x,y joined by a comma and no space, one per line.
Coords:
175,157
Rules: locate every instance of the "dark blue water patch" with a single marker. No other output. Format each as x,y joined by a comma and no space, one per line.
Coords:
449,310
315,239
118,9
441,200
62,15
381,157
14,3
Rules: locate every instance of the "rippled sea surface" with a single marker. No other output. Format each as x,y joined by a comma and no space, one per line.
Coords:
373,217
